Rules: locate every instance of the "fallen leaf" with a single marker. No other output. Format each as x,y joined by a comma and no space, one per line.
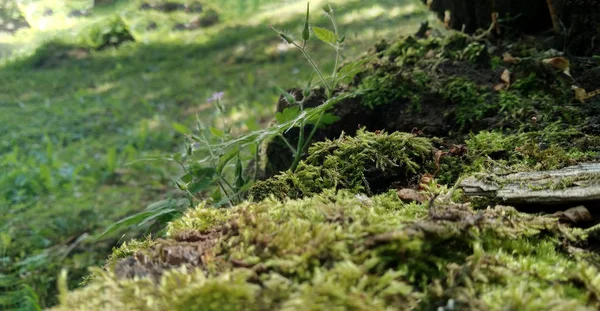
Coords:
437,157
560,63
425,181
505,77
499,87
509,59
411,195
495,22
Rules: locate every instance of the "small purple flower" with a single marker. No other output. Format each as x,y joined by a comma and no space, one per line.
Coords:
216,97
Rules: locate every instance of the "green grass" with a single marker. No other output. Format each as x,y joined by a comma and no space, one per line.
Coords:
70,124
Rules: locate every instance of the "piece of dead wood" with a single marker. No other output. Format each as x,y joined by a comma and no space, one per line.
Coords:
579,183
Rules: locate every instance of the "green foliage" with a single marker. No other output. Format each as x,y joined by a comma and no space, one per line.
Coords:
107,32
383,88
471,102
360,164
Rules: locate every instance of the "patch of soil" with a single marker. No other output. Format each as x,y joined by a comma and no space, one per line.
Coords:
207,19
190,248
11,22
52,59
194,7
187,249
80,13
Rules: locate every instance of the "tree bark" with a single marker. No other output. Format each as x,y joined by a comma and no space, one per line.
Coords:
576,23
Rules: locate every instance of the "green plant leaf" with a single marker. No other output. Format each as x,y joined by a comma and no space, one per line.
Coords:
180,128
239,173
270,132
126,222
287,114
166,204
158,213
328,118
217,132
223,160
202,178
325,35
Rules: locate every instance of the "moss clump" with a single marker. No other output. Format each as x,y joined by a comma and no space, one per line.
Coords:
384,88
346,251
545,149
368,163
471,102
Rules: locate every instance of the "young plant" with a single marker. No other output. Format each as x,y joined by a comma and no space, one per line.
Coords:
208,165
331,38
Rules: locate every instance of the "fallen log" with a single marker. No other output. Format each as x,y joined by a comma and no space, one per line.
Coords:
573,184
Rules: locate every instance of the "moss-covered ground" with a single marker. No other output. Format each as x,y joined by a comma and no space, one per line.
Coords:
74,110
369,220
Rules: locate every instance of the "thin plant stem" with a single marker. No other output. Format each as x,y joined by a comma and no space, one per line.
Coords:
305,143
256,158
314,130
313,64
212,157
298,154
292,149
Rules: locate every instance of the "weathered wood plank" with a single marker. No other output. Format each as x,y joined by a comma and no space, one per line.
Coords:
579,183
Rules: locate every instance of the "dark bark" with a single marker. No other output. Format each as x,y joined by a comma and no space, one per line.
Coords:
575,23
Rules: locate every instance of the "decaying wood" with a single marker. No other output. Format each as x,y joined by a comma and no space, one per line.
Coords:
579,183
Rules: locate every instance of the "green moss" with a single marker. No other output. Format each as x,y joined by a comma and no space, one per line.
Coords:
410,51
365,163
346,251
129,248
199,219
470,101
109,32
384,87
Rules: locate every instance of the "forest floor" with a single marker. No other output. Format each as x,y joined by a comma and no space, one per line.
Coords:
381,212
73,113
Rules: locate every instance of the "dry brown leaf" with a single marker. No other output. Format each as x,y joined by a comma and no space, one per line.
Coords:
425,181
499,87
495,23
559,63
509,59
437,157
505,77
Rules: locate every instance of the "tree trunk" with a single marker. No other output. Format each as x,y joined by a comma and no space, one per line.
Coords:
575,22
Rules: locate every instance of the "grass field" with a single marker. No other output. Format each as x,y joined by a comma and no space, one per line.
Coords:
72,115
